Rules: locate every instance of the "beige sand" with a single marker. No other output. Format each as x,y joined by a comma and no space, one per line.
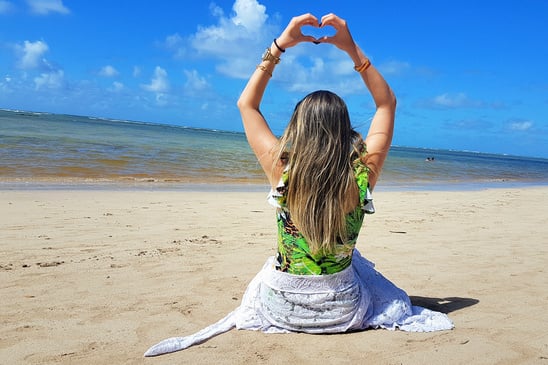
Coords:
96,277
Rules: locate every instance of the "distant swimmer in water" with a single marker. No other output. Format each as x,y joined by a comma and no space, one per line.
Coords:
430,159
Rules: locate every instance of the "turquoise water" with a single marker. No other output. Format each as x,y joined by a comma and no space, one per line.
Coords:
41,149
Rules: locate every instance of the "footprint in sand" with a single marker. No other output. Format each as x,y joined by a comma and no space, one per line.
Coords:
50,264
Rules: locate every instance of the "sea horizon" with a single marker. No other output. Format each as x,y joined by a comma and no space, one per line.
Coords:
42,150
131,121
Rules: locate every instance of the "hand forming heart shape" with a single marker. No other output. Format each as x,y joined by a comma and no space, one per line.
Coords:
307,28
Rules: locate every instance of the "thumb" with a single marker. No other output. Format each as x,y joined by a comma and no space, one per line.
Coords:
309,38
325,39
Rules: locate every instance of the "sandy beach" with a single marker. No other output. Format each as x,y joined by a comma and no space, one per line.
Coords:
98,276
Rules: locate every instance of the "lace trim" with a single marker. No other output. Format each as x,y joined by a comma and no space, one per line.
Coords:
305,284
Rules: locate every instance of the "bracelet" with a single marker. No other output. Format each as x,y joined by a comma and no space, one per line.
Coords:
268,56
264,69
364,66
280,48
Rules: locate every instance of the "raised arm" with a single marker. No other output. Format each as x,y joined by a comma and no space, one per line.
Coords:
379,136
261,139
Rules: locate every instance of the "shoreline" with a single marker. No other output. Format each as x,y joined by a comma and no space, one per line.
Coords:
239,186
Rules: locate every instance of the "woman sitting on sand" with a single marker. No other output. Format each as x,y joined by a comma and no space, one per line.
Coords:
322,173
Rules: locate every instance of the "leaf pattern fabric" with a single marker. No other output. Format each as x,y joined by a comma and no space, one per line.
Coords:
294,254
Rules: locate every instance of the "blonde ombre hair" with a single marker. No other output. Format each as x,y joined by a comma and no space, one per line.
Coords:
320,145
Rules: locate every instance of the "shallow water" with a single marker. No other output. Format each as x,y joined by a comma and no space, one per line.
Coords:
41,149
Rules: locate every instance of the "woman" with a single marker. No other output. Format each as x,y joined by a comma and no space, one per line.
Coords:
322,155
322,176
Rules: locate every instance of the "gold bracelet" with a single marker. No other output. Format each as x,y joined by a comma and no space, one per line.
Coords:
364,66
264,69
268,56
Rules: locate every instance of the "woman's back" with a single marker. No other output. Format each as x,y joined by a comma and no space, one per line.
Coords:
295,254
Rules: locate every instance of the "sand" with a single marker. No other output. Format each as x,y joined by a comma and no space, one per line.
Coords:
98,276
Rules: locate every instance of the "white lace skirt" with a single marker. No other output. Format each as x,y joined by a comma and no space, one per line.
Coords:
356,298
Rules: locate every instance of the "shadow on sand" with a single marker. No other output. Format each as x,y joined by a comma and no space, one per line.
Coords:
444,305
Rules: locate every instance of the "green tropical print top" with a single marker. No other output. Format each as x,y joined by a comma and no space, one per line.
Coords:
294,255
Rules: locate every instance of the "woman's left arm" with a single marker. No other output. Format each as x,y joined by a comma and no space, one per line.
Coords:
258,133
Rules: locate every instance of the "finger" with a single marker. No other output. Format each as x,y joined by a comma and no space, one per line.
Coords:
332,20
328,18
325,39
307,19
308,38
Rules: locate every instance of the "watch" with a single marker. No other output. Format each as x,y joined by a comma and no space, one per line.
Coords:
268,56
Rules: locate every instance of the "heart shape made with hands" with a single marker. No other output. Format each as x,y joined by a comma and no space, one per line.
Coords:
318,32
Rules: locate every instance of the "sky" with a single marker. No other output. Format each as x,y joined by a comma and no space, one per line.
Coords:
468,75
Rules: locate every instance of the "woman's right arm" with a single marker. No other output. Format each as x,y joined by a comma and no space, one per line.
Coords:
381,130
258,133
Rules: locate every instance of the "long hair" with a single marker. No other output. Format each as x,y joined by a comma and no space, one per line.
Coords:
320,146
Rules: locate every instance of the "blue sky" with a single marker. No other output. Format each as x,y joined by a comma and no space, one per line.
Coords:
469,75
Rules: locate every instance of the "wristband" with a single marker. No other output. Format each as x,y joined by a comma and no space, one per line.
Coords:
279,48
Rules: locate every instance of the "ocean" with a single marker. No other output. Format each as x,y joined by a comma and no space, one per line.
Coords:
43,150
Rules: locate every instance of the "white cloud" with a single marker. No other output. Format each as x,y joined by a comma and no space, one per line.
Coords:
249,13
521,126
451,101
50,80
108,71
331,70
247,23
5,84
44,7
5,7
216,10
161,99
136,71
232,39
174,40
394,67
159,82
31,54
176,44
195,82
458,100
343,66
116,87
469,124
